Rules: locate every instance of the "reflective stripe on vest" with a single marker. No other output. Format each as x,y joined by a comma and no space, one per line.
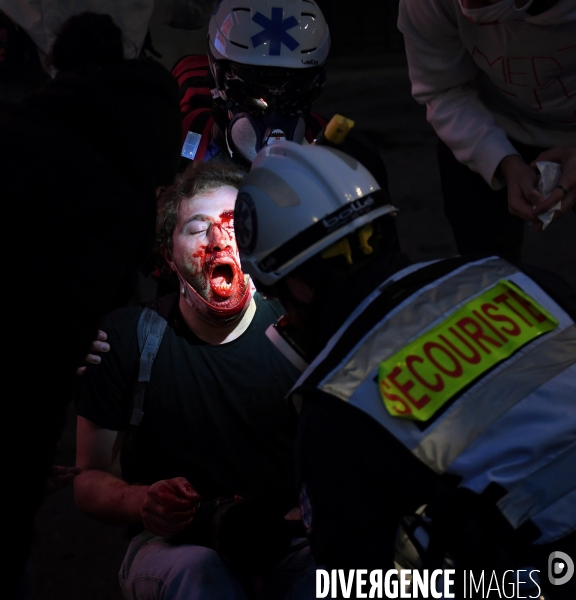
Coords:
415,315
553,481
511,423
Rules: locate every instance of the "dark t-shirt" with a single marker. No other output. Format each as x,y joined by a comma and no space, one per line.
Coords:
214,414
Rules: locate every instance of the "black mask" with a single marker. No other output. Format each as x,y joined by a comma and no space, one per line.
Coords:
246,134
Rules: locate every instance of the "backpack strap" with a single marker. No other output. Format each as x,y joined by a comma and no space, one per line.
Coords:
150,329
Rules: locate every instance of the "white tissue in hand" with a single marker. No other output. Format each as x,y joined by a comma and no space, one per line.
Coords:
549,175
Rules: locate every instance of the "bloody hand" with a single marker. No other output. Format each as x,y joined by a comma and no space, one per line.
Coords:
169,506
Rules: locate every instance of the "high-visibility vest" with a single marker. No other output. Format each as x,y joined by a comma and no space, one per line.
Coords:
474,371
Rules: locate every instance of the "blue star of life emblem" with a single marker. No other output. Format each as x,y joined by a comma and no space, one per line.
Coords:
275,30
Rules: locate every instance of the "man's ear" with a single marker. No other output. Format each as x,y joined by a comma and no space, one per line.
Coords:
167,255
300,290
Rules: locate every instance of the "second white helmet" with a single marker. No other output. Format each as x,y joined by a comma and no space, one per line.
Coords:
277,33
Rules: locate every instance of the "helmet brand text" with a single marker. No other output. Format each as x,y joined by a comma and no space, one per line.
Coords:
348,212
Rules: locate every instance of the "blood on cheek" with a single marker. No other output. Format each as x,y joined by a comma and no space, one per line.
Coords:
220,237
195,260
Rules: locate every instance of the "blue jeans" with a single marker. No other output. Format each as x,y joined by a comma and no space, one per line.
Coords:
153,569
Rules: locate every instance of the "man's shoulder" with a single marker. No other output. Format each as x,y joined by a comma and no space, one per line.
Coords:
122,322
427,15
268,308
123,316
163,305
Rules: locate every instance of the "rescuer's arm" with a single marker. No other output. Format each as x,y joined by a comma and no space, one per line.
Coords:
440,70
164,508
524,200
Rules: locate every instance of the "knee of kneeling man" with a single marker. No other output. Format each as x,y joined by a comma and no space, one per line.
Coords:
198,559
201,570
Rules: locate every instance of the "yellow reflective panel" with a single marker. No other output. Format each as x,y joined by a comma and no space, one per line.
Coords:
419,379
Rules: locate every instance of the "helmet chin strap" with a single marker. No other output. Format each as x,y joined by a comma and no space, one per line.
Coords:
280,337
211,313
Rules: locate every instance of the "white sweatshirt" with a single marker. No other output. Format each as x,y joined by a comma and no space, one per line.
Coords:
483,84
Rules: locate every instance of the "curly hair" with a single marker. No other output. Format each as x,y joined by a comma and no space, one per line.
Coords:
198,178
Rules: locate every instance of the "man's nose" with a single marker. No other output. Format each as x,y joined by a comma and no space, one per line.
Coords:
221,238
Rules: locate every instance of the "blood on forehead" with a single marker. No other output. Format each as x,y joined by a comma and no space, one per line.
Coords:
227,216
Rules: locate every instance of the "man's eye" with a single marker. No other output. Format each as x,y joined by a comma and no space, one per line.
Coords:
197,230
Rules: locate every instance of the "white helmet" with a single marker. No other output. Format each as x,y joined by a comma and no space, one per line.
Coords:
269,54
296,201
274,33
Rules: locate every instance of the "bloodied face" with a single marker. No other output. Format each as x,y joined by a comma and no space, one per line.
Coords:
205,254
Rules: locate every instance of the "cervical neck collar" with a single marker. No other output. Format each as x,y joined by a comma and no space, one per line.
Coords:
212,313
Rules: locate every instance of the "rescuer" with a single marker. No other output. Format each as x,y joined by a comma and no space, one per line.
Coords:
449,384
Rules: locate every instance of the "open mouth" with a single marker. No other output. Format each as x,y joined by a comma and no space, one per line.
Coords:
222,279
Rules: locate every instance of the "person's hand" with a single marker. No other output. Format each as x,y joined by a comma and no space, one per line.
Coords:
169,506
60,477
98,345
565,190
524,200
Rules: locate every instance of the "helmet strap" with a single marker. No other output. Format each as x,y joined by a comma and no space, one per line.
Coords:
283,338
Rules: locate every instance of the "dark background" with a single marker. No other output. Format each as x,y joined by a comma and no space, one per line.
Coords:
76,557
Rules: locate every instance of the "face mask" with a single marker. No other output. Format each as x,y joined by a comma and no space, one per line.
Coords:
218,314
502,11
246,134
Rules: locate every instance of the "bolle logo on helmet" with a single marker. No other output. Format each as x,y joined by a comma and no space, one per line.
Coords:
348,213
245,223
275,31
300,245
560,568
309,62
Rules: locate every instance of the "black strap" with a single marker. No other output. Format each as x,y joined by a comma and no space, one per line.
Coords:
151,327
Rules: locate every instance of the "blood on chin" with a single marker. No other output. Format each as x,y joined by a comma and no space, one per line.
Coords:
221,290
223,312
214,302
225,298
221,294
